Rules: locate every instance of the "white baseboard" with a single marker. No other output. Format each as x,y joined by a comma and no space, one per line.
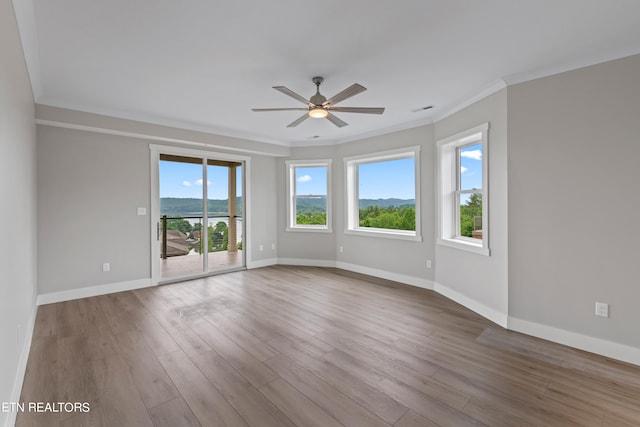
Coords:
93,291
487,312
396,277
591,344
22,367
307,262
599,346
262,263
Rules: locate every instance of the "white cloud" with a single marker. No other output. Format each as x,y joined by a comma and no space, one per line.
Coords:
304,178
186,184
463,169
472,154
199,182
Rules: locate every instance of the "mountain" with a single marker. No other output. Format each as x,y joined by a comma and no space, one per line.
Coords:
385,203
174,206
319,203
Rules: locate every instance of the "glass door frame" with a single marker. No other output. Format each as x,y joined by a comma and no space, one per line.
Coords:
155,152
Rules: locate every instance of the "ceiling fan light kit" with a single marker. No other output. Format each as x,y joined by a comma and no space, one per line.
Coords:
319,107
318,113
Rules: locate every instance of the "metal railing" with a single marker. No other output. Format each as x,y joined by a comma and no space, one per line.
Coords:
162,228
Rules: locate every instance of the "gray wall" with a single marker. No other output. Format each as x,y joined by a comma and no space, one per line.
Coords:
402,257
398,257
90,185
298,246
89,188
574,145
482,279
18,213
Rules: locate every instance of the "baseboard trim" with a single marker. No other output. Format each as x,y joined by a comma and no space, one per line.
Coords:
588,343
591,344
93,291
262,263
487,312
307,262
22,367
402,278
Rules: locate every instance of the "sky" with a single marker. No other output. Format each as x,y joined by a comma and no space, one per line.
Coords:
386,180
311,180
380,180
184,180
471,167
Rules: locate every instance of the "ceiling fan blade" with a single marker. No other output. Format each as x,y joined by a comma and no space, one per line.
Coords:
352,90
364,110
297,121
336,121
278,109
292,94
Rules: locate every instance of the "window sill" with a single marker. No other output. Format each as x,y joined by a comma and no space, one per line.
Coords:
465,246
309,229
387,234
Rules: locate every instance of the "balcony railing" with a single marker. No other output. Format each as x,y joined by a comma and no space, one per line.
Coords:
175,242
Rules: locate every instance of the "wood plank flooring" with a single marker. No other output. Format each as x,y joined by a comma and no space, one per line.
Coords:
301,346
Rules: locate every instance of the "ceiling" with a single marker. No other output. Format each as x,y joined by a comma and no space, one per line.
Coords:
203,64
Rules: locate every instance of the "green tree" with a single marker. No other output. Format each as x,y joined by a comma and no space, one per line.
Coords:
218,237
312,218
471,209
179,224
392,217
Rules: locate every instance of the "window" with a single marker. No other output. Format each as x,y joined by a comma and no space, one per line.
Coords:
308,195
383,194
462,190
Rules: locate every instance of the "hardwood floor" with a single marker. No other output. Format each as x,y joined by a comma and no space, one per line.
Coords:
300,346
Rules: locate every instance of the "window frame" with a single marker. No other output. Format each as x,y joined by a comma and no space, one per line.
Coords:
352,211
291,166
449,190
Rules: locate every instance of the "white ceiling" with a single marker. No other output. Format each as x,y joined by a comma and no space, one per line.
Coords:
203,64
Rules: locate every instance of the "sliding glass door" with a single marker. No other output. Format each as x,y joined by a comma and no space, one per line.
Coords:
200,226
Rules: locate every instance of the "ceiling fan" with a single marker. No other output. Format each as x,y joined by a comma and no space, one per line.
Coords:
320,107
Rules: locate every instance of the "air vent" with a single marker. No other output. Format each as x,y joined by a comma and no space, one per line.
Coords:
417,110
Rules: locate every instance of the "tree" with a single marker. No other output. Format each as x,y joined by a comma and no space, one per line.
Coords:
180,224
392,217
471,209
218,237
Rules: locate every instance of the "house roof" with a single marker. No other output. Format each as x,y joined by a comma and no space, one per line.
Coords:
203,65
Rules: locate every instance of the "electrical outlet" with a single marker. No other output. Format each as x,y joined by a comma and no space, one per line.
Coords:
428,263
106,267
602,309
273,246
260,248
142,211
341,249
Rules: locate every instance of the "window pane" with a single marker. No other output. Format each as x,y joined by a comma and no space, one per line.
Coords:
386,194
470,167
471,215
311,210
311,195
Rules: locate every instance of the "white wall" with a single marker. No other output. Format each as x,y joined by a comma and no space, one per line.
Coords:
477,281
574,204
18,213
90,185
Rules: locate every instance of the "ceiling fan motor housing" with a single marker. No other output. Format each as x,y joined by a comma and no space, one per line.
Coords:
317,99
